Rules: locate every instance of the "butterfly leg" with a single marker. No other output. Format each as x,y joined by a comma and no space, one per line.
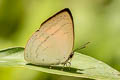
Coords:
68,62
50,67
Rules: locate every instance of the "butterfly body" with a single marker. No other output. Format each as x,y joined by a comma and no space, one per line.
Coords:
53,43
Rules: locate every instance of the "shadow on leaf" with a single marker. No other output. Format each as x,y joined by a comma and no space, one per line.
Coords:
61,68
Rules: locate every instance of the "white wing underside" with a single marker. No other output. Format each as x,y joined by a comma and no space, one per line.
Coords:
53,42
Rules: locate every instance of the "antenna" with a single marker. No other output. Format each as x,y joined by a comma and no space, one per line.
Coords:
82,47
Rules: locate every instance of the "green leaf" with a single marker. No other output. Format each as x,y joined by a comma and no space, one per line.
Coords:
81,65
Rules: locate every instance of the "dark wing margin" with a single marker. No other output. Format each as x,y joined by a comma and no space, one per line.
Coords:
67,10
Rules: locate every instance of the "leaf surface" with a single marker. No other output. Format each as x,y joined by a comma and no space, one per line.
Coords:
81,65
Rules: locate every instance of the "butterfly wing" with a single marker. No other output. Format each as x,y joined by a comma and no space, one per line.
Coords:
53,42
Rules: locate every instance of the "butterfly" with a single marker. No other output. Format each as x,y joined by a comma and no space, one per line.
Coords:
53,42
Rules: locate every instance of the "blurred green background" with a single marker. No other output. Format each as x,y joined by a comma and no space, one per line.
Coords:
96,21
